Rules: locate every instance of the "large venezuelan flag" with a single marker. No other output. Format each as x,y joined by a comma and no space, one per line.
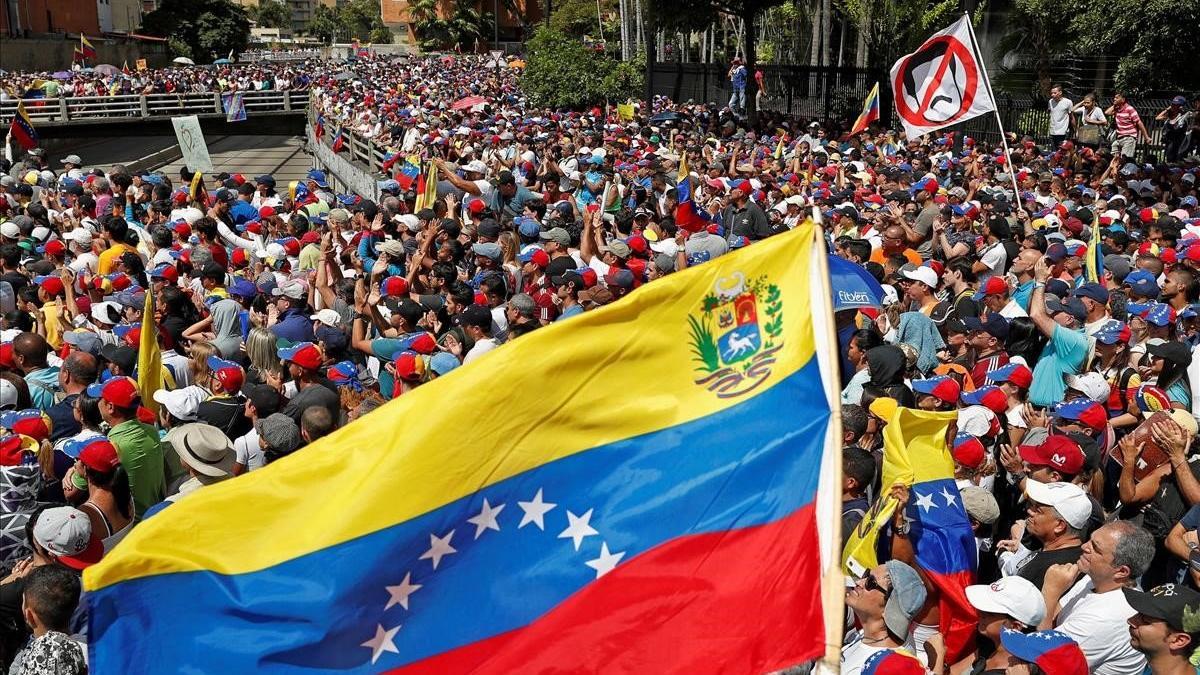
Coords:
635,490
915,454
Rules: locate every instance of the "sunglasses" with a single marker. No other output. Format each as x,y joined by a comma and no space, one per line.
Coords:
870,583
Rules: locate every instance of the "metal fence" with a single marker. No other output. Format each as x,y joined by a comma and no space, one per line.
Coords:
1024,114
837,94
123,107
823,92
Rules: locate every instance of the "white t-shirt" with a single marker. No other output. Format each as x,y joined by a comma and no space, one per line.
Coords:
994,257
1098,622
1060,116
481,347
1012,310
856,652
249,454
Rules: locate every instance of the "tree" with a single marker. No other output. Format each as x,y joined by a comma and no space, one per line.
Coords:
208,28
1155,40
1037,29
273,14
578,17
560,72
693,15
892,28
324,24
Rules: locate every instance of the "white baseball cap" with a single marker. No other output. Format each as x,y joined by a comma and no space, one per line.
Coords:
1068,499
475,166
66,533
10,230
328,317
1015,597
925,275
1092,385
80,236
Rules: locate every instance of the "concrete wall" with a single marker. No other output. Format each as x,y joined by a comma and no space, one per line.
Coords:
50,54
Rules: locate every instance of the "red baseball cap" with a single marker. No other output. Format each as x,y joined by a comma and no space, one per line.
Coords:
303,354
32,423
51,284
55,248
1057,452
229,374
266,211
943,387
1013,373
968,451
310,237
119,391
394,286
98,454
183,230
410,366
6,355
991,397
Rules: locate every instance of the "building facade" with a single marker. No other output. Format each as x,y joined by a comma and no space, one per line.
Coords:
39,17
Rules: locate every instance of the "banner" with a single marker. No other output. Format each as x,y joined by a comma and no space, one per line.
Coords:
653,534
942,83
235,107
191,143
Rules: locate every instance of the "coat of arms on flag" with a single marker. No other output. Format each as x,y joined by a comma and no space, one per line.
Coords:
736,336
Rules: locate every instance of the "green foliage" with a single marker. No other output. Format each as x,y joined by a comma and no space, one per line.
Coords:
462,29
1155,40
896,27
578,17
324,24
1035,30
272,14
358,19
209,29
561,72
351,20
704,347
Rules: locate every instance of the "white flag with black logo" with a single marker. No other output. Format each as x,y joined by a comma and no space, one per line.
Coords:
941,83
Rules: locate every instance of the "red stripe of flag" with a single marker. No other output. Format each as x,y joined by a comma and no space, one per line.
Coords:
735,600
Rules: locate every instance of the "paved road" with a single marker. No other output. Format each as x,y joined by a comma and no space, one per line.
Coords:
280,156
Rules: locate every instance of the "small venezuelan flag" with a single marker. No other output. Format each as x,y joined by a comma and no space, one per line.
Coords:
22,128
870,112
86,48
618,523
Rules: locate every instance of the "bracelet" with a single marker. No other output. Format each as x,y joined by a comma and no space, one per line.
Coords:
1039,284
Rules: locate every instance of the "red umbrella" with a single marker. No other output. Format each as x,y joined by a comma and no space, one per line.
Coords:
468,102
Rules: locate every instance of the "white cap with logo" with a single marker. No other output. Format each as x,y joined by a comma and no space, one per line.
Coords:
1015,597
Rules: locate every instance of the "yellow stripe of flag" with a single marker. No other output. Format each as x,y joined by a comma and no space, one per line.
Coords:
618,372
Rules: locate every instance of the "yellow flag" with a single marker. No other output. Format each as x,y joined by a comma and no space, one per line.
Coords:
625,112
196,185
779,149
914,451
150,368
428,195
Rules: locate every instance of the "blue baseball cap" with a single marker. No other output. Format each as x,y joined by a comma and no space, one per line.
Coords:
1112,332
1159,313
1093,291
528,227
1072,306
243,288
317,176
1142,283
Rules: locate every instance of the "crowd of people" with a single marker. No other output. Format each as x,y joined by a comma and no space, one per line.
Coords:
283,312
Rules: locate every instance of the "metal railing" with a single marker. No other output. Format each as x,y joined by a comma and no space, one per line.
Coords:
150,106
364,153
